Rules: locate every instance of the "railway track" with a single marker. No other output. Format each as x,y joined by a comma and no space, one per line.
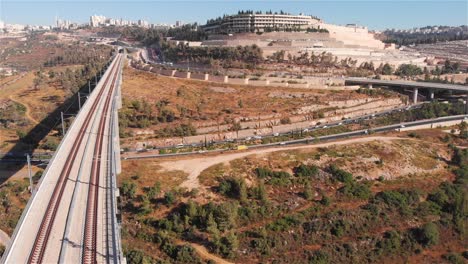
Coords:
40,243
90,232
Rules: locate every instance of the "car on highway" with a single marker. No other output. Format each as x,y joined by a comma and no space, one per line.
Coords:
324,126
341,123
305,130
276,134
257,137
402,126
248,138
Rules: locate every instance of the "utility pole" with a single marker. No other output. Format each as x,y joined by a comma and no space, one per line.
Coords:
79,101
63,124
30,174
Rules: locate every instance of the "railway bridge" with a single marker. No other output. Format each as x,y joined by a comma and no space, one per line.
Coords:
72,216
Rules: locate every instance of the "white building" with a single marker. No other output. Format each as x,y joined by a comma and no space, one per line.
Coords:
96,21
257,22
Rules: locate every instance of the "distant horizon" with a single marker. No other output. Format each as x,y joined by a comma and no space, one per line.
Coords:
372,14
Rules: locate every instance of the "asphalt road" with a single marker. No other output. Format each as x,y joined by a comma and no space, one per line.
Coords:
408,84
310,140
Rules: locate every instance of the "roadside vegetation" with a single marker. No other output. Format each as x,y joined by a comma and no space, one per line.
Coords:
323,206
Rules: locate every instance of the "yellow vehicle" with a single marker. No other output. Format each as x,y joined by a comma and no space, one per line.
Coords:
242,147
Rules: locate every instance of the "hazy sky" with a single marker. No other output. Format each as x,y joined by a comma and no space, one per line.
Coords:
376,14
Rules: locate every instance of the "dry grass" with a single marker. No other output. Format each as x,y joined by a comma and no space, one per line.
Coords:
206,101
38,102
400,159
147,172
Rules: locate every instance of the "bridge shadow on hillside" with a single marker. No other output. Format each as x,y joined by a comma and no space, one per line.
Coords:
15,159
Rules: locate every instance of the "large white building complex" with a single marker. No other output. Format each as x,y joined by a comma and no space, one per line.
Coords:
258,22
297,34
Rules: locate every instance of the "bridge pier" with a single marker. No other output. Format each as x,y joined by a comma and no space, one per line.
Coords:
415,95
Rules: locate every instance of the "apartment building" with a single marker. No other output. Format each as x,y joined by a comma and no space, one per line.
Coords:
256,22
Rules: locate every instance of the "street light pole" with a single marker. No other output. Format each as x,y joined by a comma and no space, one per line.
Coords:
79,101
30,174
63,125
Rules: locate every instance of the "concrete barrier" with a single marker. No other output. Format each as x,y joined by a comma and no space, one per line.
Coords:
168,72
179,74
279,84
199,76
156,70
298,85
238,81
433,125
259,83
218,78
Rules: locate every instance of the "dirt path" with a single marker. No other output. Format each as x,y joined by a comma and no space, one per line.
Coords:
12,81
195,166
4,238
28,110
203,252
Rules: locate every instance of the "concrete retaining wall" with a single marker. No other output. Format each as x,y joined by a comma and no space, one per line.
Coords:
298,85
218,78
238,81
167,72
308,82
259,83
155,70
179,74
199,76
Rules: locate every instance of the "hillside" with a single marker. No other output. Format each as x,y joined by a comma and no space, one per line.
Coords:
363,200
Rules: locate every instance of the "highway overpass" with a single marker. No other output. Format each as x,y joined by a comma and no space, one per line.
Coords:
409,84
72,215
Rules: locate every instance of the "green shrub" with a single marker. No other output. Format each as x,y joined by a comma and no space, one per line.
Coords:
325,200
390,244
454,258
137,257
319,257
169,197
428,235
306,171
356,190
128,189
340,175
280,178
233,188
285,223
339,228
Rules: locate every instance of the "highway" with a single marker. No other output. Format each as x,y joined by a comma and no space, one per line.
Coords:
407,84
398,127
356,119
72,216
